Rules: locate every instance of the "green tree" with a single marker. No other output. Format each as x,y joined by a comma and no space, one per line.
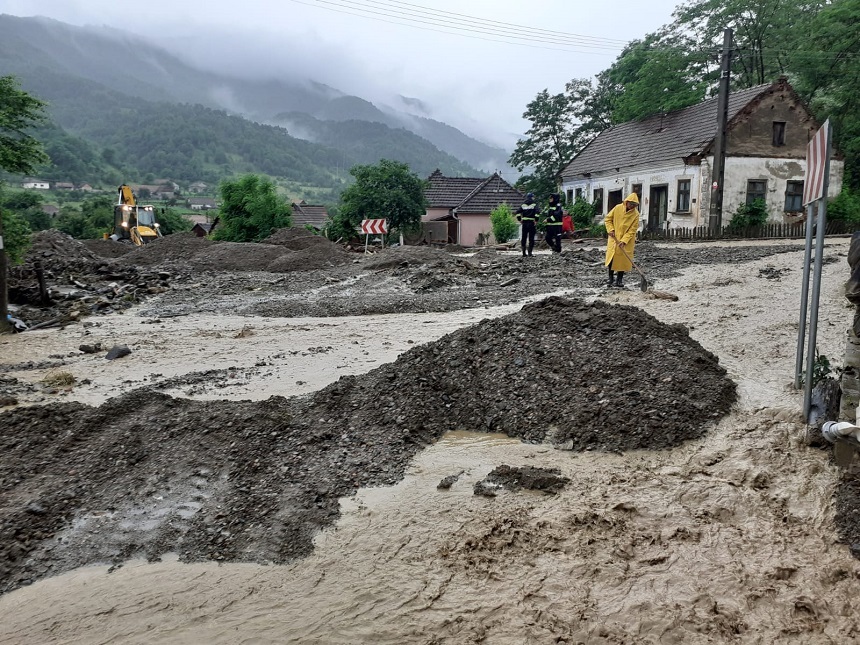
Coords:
172,221
20,153
251,210
386,190
16,238
503,223
582,213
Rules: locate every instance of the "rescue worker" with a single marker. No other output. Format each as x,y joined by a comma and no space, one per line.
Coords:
527,215
622,224
554,221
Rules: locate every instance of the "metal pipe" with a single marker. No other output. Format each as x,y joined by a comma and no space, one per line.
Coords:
813,312
804,300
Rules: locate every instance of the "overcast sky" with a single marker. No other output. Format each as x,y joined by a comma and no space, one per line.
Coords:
466,67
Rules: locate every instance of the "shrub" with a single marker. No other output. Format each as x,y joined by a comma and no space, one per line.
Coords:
582,213
597,230
503,223
748,215
844,207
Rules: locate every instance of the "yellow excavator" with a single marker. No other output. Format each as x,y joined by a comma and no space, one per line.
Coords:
132,222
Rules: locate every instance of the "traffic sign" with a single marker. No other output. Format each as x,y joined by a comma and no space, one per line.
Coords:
374,226
816,163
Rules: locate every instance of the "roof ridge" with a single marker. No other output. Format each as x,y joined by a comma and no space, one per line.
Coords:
475,190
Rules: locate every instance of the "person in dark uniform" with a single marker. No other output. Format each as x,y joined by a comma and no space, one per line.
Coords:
527,215
554,220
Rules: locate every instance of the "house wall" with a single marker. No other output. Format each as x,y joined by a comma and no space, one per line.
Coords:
751,133
739,170
435,231
473,225
776,172
435,213
40,185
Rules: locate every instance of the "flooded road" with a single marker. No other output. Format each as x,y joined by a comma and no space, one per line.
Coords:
729,538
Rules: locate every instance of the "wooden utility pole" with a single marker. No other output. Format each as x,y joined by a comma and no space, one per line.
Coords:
719,169
4,290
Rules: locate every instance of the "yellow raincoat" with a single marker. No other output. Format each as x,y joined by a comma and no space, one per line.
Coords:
624,223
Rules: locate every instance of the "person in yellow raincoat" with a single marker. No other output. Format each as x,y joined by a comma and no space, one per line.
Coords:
621,222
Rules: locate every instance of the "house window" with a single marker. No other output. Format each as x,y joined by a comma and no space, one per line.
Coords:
793,196
637,188
779,133
569,196
597,200
578,193
756,189
683,205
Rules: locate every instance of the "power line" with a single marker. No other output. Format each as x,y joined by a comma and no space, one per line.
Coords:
362,13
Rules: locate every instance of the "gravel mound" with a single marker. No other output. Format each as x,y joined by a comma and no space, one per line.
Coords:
58,246
146,474
397,256
177,247
107,248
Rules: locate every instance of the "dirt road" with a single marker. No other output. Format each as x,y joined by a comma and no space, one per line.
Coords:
729,538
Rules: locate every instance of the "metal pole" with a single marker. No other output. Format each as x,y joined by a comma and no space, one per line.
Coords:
804,299
4,291
719,169
816,279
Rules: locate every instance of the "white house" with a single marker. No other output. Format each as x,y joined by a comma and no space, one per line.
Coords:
38,184
667,159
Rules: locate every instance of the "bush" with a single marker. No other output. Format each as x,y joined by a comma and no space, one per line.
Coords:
582,213
16,236
503,223
844,207
749,215
597,230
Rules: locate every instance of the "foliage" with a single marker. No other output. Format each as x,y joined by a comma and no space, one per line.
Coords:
16,236
582,213
172,221
503,223
541,186
821,369
251,210
20,152
597,230
845,207
386,190
749,215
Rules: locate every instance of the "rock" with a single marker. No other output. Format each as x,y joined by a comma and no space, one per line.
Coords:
117,351
91,349
6,400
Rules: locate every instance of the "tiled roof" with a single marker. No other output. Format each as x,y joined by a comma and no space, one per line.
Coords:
673,136
309,214
449,192
493,191
470,194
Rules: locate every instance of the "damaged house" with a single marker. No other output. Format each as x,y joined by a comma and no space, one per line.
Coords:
667,160
459,208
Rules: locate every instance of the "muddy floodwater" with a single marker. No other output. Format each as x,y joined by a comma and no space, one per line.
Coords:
728,538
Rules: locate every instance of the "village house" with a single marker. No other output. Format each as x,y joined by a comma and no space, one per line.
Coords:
202,204
64,185
202,229
50,210
314,215
668,159
459,207
197,187
37,184
86,188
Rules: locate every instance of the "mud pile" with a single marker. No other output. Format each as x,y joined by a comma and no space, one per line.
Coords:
147,474
107,248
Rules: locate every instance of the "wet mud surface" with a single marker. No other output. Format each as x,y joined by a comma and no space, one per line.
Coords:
146,474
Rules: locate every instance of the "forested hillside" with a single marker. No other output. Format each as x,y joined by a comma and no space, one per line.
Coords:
127,106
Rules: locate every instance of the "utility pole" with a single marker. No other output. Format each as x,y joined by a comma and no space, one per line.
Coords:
4,291
719,169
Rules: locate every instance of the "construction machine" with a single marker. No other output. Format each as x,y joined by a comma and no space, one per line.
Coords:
133,222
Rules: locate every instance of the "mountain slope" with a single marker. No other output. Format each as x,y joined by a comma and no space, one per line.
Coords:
130,65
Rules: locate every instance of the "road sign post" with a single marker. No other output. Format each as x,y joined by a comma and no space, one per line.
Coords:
373,227
815,185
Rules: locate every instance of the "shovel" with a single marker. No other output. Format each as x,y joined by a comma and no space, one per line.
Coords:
643,282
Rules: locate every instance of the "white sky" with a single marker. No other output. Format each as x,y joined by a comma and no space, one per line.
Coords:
479,85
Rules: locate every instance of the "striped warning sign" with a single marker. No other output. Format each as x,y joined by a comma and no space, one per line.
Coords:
816,164
374,226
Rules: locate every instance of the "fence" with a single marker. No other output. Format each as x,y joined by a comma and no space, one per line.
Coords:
786,231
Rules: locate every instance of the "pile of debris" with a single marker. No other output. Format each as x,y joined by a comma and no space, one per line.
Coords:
146,474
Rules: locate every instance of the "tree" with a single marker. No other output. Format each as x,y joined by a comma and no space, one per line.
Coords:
553,138
503,223
173,222
386,190
251,210
19,153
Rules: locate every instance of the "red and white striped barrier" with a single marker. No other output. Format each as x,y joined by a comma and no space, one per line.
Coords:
374,226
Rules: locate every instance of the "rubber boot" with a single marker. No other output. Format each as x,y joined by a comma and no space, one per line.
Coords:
611,278
619,282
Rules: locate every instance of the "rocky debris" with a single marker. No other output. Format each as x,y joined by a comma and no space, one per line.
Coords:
145,474
448,481
90,349
772,273
107,248
486,488
11,388
117,351
513,478
847,501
